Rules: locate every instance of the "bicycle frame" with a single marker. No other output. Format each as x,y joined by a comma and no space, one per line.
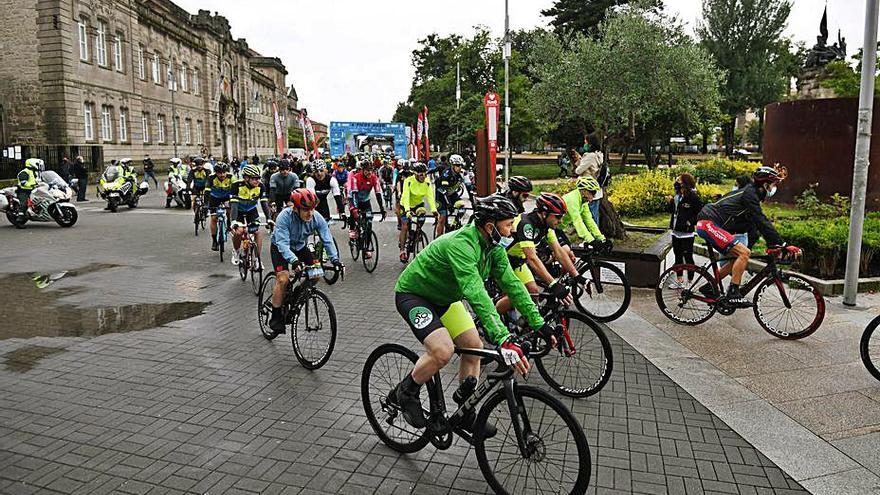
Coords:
412,235
771,269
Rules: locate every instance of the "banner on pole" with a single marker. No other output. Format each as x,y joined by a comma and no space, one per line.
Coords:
420,129
427,142
280,138
492,105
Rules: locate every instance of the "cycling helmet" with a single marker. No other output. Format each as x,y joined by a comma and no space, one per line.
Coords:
125,161
198,160
494,208
318,166
35,164
175,161
518,183
766,175
550,203
221,167
284,165
587,183
304,199
250,171
420,168
401,163
271,163
456,160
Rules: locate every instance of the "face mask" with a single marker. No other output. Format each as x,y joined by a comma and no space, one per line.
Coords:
677,187
771,191
498,240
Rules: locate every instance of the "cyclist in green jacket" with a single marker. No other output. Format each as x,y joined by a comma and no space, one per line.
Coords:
429,296
578,214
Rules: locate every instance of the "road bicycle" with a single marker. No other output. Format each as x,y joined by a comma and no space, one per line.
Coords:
316,244
388,196
365,241
869,348
307,311
582,362
786,305
222,227
416,239
455,219
249,262
200,213
539,446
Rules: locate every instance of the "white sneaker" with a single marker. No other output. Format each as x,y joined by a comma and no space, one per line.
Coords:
235,257
675,284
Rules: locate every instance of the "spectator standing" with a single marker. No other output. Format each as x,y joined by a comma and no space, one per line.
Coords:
149,170
685,205
65,169
82,175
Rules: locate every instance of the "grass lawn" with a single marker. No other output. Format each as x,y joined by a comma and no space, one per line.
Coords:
535,172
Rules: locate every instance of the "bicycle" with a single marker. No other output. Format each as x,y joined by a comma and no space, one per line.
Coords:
572,369
316,244
601,290
454,220
416,239
301,307
542,437
365,241
869,348
222,228
387,196
250,259
200,215
796,300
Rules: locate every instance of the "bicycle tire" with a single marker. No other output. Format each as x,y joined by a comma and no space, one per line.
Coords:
373,393
764,311
370,265
577,438
264,307
354,248
221,241
421,242
664,297
330,276
296,340
865,345
614,309
244,263
256,270
555,365
196,220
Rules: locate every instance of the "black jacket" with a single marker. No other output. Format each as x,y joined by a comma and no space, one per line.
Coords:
79,170
148,165
684,219
739,212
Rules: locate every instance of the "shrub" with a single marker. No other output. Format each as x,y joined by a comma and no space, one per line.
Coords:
709,175
722,167
648,193
825,241
810,202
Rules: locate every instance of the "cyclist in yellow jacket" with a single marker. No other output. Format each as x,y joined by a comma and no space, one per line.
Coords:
415,189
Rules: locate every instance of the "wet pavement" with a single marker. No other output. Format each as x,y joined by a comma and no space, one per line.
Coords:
201,403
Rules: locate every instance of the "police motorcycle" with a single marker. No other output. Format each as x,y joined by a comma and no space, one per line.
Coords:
48,202
176,189
116,187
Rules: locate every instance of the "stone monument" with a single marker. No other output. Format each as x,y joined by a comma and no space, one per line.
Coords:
817,58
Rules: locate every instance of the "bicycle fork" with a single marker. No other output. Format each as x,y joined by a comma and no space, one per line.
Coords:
521,426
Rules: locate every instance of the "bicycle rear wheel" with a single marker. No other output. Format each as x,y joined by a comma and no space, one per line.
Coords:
387,366
330,276
264,307
196,216
789,307
256,270
605,294
685,303
371,243
221,241
313,332
556,457
869,348
354,249
585,367
244,264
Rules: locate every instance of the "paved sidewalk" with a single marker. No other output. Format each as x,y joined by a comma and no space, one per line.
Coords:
206,405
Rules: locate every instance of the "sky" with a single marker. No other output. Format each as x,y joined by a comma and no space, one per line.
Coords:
351,63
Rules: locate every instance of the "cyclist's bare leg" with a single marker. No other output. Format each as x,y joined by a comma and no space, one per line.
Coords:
504,305
281,279
404,227
213,226
740,263
438,351
469,365
259,237
236,237
440,226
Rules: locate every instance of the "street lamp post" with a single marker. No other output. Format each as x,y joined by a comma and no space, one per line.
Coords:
506,94
863,148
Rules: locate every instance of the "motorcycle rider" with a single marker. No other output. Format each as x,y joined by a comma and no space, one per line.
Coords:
129,173
28,180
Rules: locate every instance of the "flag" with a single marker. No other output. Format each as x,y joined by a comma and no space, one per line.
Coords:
420,128
427,143
280,140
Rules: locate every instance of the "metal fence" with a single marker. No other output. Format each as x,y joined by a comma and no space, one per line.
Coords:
13,157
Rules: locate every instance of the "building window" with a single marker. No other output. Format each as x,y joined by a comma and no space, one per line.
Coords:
117,53
123,125
83,41
139,55
87,120
175,127
196,83
145,125
200,137
184,70
160,128
156,78
187,131
101,44
106,124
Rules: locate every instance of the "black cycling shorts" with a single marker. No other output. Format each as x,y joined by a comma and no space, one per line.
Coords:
248,217
214,203
304,255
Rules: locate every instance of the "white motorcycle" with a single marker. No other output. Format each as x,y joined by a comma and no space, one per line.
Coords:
177,191
48,202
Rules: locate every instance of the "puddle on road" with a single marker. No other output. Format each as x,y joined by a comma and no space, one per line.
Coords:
43,280
24,359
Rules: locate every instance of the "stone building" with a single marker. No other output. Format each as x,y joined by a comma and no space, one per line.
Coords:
136,77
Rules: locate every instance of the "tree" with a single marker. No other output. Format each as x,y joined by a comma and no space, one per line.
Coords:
295,138
654,81
745,39
845,79
583,16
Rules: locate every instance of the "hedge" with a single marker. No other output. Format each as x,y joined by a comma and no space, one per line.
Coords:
648,193
825,242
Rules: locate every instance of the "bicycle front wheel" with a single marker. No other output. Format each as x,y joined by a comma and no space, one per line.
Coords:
789,307
371,245
256,270
387,366
869,348
198,213
555,457
244,264
421,242
264,307
605,294
691,301
584,367
314,331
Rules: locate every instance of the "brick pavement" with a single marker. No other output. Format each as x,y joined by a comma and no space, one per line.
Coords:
206,405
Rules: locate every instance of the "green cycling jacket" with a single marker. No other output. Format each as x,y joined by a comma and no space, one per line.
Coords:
579,216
